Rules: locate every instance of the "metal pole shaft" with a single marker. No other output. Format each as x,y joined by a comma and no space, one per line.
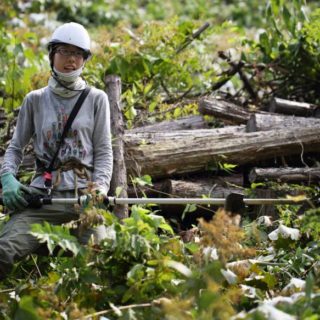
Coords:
200,201
203,201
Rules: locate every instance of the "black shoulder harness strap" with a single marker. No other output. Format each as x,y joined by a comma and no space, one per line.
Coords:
47,174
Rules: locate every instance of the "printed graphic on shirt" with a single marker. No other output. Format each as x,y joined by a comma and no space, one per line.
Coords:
72,146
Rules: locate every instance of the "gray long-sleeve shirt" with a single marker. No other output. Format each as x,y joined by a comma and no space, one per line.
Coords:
42,118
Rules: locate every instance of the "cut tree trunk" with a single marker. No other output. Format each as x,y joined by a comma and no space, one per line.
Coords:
167,153
278,105
119,176
198,188
192,122
264,122
285,175
224,110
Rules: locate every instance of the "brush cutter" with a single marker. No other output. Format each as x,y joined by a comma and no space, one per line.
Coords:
234,202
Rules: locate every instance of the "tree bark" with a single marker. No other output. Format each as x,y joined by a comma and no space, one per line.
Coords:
264,122
192,122
186,151
198,188
224,110
119,176
153,191
278,105
285,175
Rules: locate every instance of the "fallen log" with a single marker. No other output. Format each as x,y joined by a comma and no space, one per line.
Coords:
263,122
135,138
224,110
198,188
185,123
167,153
278,105
176,153
292,175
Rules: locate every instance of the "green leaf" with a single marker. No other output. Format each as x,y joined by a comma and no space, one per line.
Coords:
288,20
270,280
264,43
26,310
145,180
310,282
207,298
166,227
118,191
275,6
131,113
56,236
188,209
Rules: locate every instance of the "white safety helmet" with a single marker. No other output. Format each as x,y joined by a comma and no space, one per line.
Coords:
71,33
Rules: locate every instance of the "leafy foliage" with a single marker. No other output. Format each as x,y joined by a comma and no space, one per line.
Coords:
18,65
287,53
143,270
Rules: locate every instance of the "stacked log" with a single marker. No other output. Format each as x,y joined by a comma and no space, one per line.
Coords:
296,108
266,122
292,175
224,110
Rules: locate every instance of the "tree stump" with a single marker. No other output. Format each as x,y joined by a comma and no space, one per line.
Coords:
118,185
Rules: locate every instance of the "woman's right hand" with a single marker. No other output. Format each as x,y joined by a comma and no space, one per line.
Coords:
12,192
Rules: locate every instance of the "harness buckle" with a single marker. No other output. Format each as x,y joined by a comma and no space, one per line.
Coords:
47,176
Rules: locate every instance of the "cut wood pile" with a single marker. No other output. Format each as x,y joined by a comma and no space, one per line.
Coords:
250,139
187,158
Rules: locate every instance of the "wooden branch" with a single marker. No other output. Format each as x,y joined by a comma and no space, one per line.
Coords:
224,110
268,121
285,174
119,176
195,35
237,68
278,105
234,69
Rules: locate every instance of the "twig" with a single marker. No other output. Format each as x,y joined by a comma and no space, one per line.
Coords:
7,290
195,35
179,98
142,305
35,262
236,68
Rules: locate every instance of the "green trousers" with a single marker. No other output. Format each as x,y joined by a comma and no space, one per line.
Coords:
16,242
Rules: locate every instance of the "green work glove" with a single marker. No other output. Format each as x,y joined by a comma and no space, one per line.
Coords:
12,192
96,196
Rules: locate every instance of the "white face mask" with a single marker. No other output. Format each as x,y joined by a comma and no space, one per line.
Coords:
68,76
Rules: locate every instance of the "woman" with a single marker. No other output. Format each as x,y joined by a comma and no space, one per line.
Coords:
85,149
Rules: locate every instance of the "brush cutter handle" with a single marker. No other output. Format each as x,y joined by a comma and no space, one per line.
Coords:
37,201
